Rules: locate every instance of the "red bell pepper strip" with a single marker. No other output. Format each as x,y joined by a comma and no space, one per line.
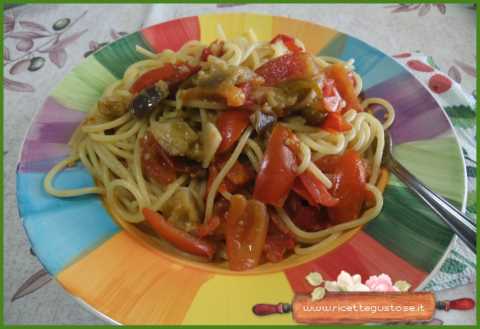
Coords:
208,227
245,233
344,84
278,170
180,239
173,74
287,67
317,191
335,122
231,125
300,189
288,41
348,178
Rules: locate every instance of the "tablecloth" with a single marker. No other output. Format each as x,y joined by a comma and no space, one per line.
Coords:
447,32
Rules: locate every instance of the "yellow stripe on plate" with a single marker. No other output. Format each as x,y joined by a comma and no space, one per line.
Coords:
235,25
228,299
133,285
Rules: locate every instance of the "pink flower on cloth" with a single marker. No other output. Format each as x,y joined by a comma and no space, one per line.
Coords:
381,282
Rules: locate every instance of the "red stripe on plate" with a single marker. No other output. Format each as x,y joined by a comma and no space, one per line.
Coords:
361,255
173,34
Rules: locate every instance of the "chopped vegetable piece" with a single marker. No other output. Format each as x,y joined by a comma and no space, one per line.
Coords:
156,164
180,239
173,74
278,170
279,240
148,100
175,136
307,218
344,84
335,123
348,179
331,98
231,125
211,140
287,67
317,191
246,231
288,41
208,227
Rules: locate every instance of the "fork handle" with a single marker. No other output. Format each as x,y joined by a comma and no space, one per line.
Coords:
459,223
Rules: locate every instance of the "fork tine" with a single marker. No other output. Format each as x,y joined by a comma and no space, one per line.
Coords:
387,150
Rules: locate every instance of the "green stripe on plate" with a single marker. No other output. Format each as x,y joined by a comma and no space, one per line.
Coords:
118,56
437,163
410,229
82,87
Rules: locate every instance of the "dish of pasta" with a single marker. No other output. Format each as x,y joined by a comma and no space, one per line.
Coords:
240,152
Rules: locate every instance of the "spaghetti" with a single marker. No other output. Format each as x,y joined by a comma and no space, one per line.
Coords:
219,138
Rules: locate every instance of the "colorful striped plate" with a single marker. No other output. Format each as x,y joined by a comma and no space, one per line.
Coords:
98,261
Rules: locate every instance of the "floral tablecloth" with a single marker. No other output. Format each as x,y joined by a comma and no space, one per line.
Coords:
44,42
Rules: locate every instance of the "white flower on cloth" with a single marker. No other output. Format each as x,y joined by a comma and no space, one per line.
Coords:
346,282
381,282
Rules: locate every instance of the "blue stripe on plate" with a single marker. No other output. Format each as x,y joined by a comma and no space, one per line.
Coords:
62,230
371,64
32,198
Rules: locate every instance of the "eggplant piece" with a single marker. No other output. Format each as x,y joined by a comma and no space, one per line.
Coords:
313,116
262,121
175,136
148,100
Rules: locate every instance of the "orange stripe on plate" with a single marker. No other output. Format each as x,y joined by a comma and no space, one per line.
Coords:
133,285
314,37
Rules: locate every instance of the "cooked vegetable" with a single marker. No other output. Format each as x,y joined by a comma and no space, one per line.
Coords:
211,140
314,115
208,227
306,217
288,67
246,231
288,41
279,240
278,169
344,84
231,125
236,178
113,107
181,210
317,191
349,179
335,122
175,136
215,49
149,99
300,189
173,74
180,239
331,98
262,121
156,164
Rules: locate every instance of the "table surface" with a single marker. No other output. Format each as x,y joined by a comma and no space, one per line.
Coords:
448,34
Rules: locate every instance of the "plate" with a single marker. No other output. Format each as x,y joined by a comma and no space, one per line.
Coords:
103,263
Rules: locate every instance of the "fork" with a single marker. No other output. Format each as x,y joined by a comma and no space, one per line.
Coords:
459,223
